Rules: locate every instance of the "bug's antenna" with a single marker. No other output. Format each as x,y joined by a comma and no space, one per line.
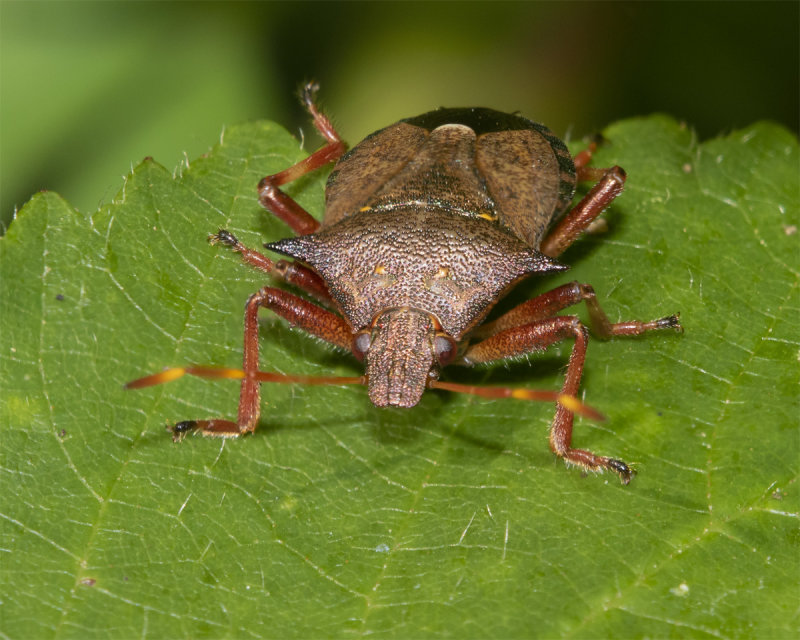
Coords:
536,395
168,375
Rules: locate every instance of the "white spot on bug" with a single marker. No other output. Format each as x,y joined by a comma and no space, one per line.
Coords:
382,548
451,127
682,590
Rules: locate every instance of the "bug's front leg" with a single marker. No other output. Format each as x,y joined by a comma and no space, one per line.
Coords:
307,316
291,272
536,336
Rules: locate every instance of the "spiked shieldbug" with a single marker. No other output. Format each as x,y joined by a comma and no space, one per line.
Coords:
427,224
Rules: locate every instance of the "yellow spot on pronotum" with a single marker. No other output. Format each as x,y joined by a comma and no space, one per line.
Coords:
487,216
379,270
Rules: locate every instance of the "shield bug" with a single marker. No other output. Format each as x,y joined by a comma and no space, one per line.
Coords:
427,224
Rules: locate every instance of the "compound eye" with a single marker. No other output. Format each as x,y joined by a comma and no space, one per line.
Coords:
361,343
445,349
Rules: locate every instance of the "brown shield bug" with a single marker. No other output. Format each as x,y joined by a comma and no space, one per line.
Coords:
427,224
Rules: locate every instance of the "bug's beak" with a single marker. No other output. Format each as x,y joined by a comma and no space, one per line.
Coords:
400,357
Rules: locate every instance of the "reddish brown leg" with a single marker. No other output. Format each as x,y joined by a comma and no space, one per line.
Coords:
575,222
551,302
292,272
306,315
277,201
582,160
561,428
537,336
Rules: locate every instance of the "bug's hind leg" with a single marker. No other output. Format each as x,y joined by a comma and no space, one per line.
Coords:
533,326
536,336
301,313
277,201
561,427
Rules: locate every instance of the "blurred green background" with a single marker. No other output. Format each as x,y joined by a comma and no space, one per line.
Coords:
87,89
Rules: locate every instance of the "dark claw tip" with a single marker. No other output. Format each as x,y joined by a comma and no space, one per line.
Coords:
180,429
671,322
224,236
621,469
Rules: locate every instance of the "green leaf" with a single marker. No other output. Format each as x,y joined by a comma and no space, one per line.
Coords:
452,518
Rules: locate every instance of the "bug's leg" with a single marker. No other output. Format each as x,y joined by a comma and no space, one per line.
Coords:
536,336
582,160
582,214
301,313
276,200
291,272
551,302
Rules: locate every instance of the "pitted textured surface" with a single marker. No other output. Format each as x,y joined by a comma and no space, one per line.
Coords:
429,259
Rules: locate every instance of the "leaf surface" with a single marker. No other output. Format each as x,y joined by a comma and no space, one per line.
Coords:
449,519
